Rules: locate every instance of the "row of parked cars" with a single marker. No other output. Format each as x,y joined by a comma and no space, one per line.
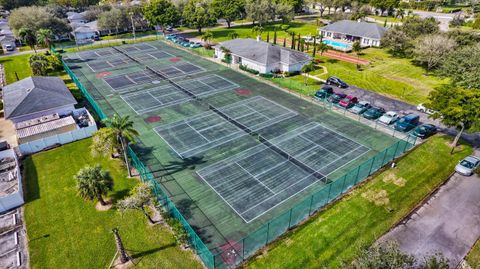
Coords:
183,41
403,123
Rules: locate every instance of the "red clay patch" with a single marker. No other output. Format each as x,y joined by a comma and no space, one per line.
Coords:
153,119
175,59
231,252
345,57
103,74
243,92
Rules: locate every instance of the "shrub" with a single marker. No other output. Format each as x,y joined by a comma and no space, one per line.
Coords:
290,74
267,75
249,70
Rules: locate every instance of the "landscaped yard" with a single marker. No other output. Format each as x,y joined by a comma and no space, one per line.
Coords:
16,64
473,257
339,232
398,78
67,232
245,31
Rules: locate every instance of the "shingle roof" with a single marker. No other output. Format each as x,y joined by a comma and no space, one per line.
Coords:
35,94
263,52
354,28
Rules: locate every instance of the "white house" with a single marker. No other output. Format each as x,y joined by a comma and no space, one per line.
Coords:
11,191
347,32
44,114
262,56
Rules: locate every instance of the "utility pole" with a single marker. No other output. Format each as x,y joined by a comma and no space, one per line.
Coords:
133,25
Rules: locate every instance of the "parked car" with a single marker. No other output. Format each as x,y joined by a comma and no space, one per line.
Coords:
425,130
195,45
424,109
360,107
337,82
171,36
374,113
467,165
407,122
324,92
9,47
348,101
335,98
169,28
389,117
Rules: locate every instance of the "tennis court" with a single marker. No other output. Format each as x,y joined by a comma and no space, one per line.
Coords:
241,161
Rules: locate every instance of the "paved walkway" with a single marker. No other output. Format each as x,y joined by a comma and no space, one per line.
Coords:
448,222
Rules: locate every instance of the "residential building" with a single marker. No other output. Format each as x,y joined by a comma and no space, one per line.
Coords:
342,34
11,192
44,114
262,56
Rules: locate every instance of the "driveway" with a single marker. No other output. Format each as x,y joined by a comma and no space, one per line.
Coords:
448,222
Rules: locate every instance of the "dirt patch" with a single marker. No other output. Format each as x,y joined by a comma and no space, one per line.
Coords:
379,198
243,92
103,74
391,177
153,119
175,59
100,207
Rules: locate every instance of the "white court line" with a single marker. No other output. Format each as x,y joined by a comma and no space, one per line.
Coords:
210,127
261,183
222,198
340,158
195,130
271,168
343,135
213,143
196,117
168,144
349,161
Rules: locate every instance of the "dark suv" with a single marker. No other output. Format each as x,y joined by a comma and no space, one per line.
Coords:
337,82
324,92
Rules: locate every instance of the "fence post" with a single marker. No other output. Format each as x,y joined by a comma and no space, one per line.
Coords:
329,189
343,184
243,249
290,218
371,166
268,230
311,204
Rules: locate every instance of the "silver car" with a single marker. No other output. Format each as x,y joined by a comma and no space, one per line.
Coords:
388,118
467,165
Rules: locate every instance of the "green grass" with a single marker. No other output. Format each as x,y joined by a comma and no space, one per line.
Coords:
339,232
67,232
16,64
398,78
245,31
473,257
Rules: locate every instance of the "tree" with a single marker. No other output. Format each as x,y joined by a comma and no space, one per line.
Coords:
39,64
124,133
11,4
388,256
229,10
307,69
476,23
322,47
384,5
115,18
397,42
161,12
257,30
119,245
28,37
459,108
464,38
314,46
104,143
431,50
259,10
93,182
197,14
207,37
45,37
140,197
275,36
415,26
93,12
463,66
457,21
283,11
35,18
437,261
356,48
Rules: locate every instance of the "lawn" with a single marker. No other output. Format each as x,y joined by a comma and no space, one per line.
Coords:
473,257
339,232
16,64
67,232
245,31
398,78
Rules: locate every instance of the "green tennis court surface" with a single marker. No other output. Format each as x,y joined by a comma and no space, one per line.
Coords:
231,152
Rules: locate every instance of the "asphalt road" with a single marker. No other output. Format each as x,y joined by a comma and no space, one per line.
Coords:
448,222
443,18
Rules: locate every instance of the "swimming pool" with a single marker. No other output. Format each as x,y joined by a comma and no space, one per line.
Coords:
337,44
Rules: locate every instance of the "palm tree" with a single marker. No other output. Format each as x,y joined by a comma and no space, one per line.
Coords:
93,182
233,35
124,133
39,64
28,37
322,47
120,248
306,69
207,37
44,37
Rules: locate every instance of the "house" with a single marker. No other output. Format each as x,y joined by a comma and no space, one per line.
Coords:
262,56
342,34
43,112
11,191
76,17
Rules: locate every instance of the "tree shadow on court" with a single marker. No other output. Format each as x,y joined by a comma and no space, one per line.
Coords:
185,206
184,164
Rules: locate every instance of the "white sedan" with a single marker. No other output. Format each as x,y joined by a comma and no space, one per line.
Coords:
467,165
388,118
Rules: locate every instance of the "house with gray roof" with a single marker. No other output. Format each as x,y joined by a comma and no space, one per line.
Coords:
346,32
262,56
34,97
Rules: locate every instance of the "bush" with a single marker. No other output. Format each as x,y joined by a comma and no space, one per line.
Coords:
267,75
1,104
249,70
291,74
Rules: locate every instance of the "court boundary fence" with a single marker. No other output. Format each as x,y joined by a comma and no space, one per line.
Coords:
232,254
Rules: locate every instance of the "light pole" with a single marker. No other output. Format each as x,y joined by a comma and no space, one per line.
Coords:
133,25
